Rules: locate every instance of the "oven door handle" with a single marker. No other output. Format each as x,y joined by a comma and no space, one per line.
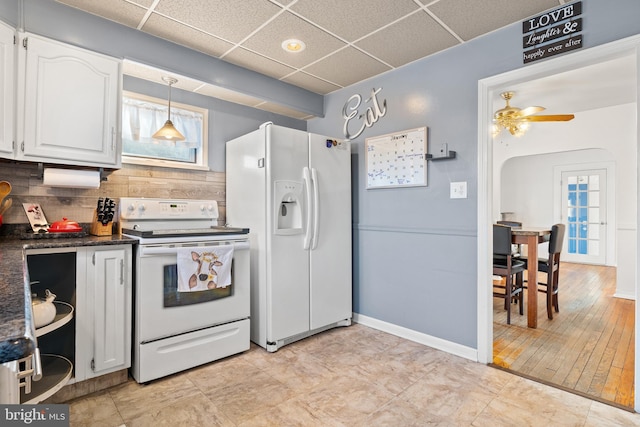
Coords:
147,250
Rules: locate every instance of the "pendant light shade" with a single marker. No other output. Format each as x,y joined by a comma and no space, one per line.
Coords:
168,132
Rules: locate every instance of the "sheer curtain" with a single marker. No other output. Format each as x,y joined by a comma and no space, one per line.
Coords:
141,119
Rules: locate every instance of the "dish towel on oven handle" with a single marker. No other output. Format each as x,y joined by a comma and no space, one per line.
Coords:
203,268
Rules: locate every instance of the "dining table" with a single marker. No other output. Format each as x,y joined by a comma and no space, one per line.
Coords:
532,237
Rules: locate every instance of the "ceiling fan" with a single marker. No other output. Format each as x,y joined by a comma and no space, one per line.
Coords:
516,120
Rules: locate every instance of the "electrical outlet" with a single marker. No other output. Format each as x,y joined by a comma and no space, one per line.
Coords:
458,190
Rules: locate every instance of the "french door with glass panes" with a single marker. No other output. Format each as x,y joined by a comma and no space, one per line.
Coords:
584,211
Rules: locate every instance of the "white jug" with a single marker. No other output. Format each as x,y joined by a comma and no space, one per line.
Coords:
44,310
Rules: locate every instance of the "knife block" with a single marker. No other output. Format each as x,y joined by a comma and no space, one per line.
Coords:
97,229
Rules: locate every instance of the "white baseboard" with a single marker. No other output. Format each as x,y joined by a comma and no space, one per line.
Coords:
624,295
419,337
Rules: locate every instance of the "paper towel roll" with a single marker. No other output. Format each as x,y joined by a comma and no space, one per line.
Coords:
71,178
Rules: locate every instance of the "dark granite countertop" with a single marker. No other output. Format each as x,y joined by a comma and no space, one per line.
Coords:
17,334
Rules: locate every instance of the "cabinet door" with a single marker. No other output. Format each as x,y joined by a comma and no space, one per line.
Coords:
110,275
7,84
71,104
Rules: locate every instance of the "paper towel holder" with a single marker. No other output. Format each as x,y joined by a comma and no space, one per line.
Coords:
41,168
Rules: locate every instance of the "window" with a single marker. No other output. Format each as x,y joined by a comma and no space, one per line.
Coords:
142,116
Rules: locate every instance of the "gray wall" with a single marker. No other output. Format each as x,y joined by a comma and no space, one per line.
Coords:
414,248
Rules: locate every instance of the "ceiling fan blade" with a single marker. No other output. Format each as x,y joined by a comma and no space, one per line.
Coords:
528,111
548,118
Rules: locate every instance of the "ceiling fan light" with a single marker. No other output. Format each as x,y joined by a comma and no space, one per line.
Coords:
516,120
168,132
519,129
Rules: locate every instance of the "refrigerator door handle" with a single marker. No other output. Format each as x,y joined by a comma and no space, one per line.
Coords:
316,207
306,174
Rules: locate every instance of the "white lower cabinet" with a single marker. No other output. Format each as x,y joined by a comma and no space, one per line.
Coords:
90,335
104,293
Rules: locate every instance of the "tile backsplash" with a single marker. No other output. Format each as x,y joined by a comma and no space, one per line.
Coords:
130,181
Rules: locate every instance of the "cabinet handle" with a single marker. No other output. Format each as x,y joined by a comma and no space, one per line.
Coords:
121,272
37,365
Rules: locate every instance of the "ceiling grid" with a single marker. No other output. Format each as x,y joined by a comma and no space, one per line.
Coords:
347,41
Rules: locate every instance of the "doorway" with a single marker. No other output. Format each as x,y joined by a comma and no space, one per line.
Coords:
487,175
584,211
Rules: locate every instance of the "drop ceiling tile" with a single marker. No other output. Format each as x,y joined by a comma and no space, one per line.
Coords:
116,10
232,20
259,63
412,38
269,39
470,19
353,19
185,36
346,67
311,83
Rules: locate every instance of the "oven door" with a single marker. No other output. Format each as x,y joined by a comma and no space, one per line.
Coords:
162,311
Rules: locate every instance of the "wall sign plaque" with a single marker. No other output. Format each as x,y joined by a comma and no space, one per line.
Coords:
561,25
354,119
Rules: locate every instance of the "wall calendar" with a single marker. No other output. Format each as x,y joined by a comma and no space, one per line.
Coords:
397,159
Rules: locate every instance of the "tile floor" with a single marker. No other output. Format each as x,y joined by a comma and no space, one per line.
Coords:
355,376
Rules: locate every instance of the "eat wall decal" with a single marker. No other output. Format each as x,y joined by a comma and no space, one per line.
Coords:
368,118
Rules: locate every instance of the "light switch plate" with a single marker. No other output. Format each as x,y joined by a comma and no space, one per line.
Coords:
458,190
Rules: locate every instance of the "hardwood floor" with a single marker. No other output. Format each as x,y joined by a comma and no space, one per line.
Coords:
588,347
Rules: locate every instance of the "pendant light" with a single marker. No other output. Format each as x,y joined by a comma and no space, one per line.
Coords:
168,132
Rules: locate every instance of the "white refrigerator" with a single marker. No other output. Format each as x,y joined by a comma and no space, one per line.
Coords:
292,189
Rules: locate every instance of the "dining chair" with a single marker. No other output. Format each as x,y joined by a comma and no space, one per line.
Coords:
516,248
505,265
551,266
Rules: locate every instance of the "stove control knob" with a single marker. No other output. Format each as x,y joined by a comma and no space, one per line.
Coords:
131,207
142,208
210,208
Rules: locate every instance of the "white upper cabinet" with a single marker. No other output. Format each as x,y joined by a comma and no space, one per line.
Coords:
70,99
7,85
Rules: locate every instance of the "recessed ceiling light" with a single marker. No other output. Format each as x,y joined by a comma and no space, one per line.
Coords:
293,45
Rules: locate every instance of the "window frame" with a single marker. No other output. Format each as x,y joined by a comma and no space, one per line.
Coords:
202,160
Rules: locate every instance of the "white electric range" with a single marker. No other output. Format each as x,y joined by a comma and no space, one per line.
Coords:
184,314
